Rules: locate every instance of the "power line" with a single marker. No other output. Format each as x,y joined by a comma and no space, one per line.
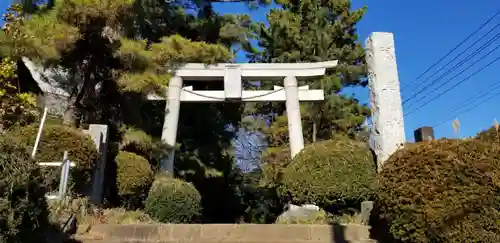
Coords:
453,49
467,68
472,107
478,50
476,97
454,86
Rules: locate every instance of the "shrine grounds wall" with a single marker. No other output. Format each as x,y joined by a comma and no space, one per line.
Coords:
240,233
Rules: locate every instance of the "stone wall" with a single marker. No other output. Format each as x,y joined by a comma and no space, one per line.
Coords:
241,233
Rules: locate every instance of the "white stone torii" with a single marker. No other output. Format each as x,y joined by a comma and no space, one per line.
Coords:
233,75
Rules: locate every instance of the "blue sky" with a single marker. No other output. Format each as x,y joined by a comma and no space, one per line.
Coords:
424,31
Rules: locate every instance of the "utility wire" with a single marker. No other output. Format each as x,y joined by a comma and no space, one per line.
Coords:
476,97
454,86
473,106
467,68
456,65
453,49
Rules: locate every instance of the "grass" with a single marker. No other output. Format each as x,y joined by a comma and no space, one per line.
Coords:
88,215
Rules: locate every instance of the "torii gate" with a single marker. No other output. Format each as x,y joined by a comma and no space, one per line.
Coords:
233,75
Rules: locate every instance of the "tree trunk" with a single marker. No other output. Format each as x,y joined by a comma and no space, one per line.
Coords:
69,116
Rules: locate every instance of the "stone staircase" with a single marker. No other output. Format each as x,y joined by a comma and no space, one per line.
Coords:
226,233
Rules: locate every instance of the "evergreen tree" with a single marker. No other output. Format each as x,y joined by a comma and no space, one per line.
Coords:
315,31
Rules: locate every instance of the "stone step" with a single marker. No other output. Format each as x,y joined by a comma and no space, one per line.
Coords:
139,241
227,233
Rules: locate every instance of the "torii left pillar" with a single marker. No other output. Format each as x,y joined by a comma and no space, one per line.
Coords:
171,123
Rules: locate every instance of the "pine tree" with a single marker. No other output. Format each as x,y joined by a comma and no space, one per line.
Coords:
89,39
314,31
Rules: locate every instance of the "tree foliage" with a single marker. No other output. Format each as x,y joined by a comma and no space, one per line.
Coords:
16,108
88,38
314,31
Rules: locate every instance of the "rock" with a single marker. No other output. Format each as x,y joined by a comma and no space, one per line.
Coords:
305,214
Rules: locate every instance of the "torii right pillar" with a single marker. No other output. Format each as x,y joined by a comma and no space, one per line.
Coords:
387,132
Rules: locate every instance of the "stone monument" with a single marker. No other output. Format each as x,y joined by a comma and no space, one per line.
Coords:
387,132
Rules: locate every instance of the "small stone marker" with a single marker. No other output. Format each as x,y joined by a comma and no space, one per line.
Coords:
366,209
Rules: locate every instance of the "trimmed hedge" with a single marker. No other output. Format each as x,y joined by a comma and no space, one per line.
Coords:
442,191
133,176
332,174
23,209
54,141
172,200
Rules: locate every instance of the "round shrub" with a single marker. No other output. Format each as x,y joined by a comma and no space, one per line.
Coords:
23,209
133,176
54,141
172,200
332,174
441,191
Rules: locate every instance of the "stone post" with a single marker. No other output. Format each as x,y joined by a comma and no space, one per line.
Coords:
293,114
385,99
99,134
171,122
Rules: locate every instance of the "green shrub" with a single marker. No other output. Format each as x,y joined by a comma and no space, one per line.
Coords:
442,191
172,200
54,141
23,209
332,174
136,141
133,177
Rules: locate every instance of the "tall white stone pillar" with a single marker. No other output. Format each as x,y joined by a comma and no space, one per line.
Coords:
171,122
387,132
293,114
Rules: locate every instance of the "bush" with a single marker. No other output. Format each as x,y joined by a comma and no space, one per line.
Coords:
23,210
442,191
54,141
332,174
172,200
133,176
